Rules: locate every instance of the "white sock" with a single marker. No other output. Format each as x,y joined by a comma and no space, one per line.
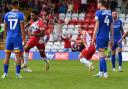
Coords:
45,60
25,58
85,61
100,73
105,74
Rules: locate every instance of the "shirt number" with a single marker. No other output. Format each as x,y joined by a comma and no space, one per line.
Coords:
107,21
13,23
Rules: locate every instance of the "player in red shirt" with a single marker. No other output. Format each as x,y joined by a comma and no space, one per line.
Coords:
36,32
87,53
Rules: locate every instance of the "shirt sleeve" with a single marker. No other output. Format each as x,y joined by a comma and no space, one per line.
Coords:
22,17
97,16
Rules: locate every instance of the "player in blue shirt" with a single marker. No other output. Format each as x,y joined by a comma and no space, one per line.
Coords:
118,32
102,29
14,27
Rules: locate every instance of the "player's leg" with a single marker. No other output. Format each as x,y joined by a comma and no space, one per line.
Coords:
103,62
113,59
101,45
120,59
8,49
30,44
6,64
84,58
18,64
18,48
41,49
25,66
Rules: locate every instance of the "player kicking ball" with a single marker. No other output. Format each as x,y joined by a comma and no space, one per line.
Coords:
87,53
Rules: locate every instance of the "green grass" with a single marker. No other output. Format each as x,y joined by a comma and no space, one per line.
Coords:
63,75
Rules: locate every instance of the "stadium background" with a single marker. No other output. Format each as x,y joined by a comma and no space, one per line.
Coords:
79,13
65,74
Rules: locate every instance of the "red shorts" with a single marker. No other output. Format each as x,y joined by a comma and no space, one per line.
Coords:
88,52
33,41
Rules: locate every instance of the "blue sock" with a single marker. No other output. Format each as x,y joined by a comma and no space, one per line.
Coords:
18,67
103,62
120,58
113,60
6,68
100,66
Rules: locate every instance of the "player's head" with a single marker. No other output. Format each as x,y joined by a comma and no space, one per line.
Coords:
34,14
114,14
103,4
15,4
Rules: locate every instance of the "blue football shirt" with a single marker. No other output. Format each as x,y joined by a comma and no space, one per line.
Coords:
105,18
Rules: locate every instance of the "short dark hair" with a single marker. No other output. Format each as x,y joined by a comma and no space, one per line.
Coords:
15,3
35,11
105,3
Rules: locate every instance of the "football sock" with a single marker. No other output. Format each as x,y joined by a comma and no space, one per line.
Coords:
120,58
18,67
6,68
104,65
85,61
45,60
25,57
113,60
100,66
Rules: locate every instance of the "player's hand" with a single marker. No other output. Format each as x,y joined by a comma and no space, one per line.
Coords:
111,43
119,42
125,42
92,41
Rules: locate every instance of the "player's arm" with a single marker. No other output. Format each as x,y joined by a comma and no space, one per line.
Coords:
23,32
122,31
22,18
83,39
5,27
5,23
111,34
124,36
95,30
41,34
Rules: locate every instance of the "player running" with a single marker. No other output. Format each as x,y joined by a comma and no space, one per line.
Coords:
103,26
88,51
14,27
118,32
36,32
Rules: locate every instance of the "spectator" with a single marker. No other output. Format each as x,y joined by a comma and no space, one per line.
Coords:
76,6
113,5
75,47
58,30
63,8
6,8
83,6
67,43
70,6
124,7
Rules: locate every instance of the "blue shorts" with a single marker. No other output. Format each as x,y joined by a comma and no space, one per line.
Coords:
116,45
14,44
100,43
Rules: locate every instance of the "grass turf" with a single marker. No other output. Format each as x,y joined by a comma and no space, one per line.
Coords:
63,75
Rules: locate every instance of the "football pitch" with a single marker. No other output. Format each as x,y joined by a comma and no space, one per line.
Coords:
63,75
